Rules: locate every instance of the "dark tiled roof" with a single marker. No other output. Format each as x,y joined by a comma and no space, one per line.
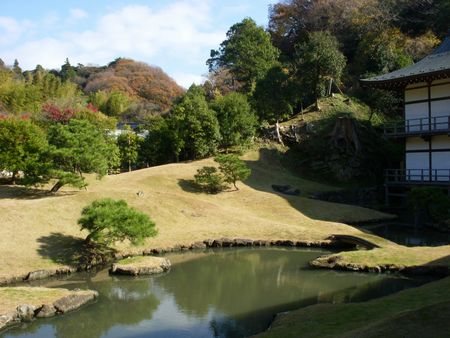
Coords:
432,67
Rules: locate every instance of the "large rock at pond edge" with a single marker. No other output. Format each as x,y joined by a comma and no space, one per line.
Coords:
26,312
8,320
46,311
74,301
141,266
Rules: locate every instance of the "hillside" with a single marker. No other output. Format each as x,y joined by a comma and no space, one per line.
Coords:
45,233
138,80
342,141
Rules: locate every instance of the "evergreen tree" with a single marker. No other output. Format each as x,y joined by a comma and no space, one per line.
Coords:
195,129
24,148
236,120
232,168
128,143
80,147
247,52
319,61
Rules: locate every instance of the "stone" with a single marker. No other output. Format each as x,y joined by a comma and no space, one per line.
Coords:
74,301
226,242
217,243
8,320
40,274
25,312
46,311
243,242
198,245
146,266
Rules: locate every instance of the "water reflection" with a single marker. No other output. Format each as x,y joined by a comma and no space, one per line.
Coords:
225,293
411,236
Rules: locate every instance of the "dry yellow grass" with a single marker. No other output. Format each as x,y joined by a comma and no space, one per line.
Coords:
37,296
40,233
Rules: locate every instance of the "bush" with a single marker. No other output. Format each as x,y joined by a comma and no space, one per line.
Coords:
209,180
109,221
232,168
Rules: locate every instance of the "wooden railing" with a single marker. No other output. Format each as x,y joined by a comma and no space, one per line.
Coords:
435,176
426,125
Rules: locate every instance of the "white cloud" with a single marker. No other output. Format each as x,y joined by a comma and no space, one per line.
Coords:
11,30
180,33
77,14
186,79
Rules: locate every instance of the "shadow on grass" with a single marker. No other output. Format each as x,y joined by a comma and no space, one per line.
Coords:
268,170
189,186
61,249
23,193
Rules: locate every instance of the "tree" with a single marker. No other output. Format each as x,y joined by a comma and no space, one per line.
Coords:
67,71
116,104
17,70
23,149
194,126
247,52
128,143
109,221
236,120
232,168
274,95
319,61
80,147
209,180
158,146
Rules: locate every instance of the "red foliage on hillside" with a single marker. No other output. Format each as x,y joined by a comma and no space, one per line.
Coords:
137,80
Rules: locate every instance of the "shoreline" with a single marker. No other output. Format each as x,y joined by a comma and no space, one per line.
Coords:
25,304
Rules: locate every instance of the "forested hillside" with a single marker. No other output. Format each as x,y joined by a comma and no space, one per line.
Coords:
257,76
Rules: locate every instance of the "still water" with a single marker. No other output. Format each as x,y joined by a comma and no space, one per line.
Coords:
411,236
212,293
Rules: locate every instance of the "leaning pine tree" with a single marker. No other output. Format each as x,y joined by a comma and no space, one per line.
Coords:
109,221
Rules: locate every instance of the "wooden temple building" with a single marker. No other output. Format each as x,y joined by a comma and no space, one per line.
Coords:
425,127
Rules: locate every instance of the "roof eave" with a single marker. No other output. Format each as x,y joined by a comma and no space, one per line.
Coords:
402,82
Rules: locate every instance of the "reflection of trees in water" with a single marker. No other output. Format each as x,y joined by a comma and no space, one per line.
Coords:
246,288
242,289
121,301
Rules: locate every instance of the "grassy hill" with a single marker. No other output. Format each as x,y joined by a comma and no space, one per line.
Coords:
40,231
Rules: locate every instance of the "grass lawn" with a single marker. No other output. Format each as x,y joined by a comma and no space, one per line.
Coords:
419,312
40,231
37,296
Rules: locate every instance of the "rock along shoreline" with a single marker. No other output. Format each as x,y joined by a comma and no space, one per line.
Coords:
27,312
208,243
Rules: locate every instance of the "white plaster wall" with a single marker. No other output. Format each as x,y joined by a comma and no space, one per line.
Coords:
416,111
416,94
418,84
440,142
440,81
416,143
441,166
415,162
440,91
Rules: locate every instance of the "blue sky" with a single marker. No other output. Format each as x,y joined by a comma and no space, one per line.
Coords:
175,35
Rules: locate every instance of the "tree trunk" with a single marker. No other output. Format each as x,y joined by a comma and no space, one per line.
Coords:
129,166
235,186
277,127
57,186
13,178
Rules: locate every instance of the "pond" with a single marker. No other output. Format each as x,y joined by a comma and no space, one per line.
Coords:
211,293
412,236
